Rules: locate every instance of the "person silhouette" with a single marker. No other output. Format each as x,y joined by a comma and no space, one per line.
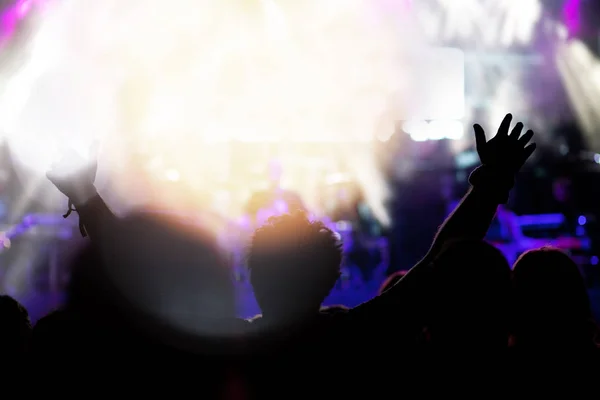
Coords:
274,199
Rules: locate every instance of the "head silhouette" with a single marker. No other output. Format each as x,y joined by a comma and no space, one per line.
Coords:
157,271
15,327
470,298
182,266
552,303
86,327
294,263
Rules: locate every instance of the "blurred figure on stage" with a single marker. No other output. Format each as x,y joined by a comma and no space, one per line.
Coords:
8,185
360,231
412,228
572,234
9,197
343,206
564,204
273,200
4,197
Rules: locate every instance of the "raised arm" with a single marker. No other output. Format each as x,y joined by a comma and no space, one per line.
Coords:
77,183
501,158
95,216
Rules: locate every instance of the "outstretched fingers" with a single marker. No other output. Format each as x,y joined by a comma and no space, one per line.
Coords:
516,132
480,139
505,125
523,140
528,151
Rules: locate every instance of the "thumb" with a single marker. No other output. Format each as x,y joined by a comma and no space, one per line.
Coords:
480,139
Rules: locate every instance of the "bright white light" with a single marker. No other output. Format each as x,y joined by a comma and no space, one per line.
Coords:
580,74
520,20
453,130
561,31
161,79
172,175
386,135
509,96
439,88
414,127
456,130
489,22
421,131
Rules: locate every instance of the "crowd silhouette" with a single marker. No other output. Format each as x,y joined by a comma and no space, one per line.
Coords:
152,306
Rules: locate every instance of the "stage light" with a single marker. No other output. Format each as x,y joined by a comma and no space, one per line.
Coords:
493,23
414,127
421,131
562,32
172,175
579,71
177,79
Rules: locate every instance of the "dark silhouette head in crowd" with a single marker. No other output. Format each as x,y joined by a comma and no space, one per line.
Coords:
552,303
392,280
93,322
152,281
90,290
15,327
174,271
470,298
294,263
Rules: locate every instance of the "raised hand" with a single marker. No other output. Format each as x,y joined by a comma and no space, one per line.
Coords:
74,176
505,152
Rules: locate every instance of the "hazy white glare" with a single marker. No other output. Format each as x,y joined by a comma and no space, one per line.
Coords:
155,78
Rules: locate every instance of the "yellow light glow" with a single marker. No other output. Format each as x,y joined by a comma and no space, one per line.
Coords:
172,81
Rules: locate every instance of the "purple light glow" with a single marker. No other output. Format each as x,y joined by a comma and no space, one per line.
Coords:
572,16
12,16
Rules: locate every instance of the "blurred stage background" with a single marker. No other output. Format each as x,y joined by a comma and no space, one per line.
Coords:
317,88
